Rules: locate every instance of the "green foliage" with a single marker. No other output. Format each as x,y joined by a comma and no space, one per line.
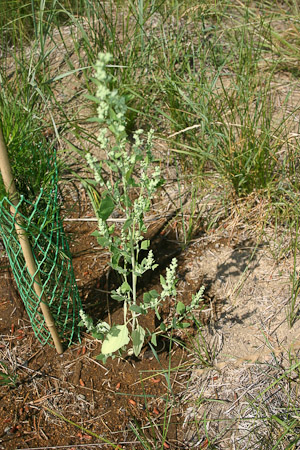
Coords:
31,169
31,156
133,170
19,20
7,378
116,338
22,112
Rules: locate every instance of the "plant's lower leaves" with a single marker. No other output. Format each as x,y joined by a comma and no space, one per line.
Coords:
117,338
138,337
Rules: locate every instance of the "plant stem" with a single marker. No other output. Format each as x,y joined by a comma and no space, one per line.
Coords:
134,277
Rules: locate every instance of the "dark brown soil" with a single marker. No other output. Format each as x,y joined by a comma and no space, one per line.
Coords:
58,400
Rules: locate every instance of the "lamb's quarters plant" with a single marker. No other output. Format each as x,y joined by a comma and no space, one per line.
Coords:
132,168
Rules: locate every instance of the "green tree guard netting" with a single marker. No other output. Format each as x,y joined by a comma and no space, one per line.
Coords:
42,223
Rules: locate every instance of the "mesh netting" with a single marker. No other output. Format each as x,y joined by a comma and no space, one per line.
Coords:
42,223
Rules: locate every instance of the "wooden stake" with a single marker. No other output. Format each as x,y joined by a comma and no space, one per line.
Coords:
24,241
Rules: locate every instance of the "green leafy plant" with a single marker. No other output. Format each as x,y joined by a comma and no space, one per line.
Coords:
129,191
6,377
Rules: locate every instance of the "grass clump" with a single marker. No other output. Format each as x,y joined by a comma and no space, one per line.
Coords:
31,156
20,21
7,377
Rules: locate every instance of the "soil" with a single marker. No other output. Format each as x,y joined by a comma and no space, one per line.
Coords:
251,344
48,391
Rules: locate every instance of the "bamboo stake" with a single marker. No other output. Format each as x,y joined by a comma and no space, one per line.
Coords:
24,242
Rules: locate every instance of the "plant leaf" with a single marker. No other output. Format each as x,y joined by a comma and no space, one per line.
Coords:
97,335
106,207
153,293
180,308
138,337
162,281
116,338
154,340
125,287
104,358
162,326
137,309
146,297
145,244
127,224
118,297
181,325
103,241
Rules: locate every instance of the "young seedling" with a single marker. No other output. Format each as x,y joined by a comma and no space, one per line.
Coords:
133,169
7,378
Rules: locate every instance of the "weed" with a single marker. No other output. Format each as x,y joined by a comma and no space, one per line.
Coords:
134,171
7,378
